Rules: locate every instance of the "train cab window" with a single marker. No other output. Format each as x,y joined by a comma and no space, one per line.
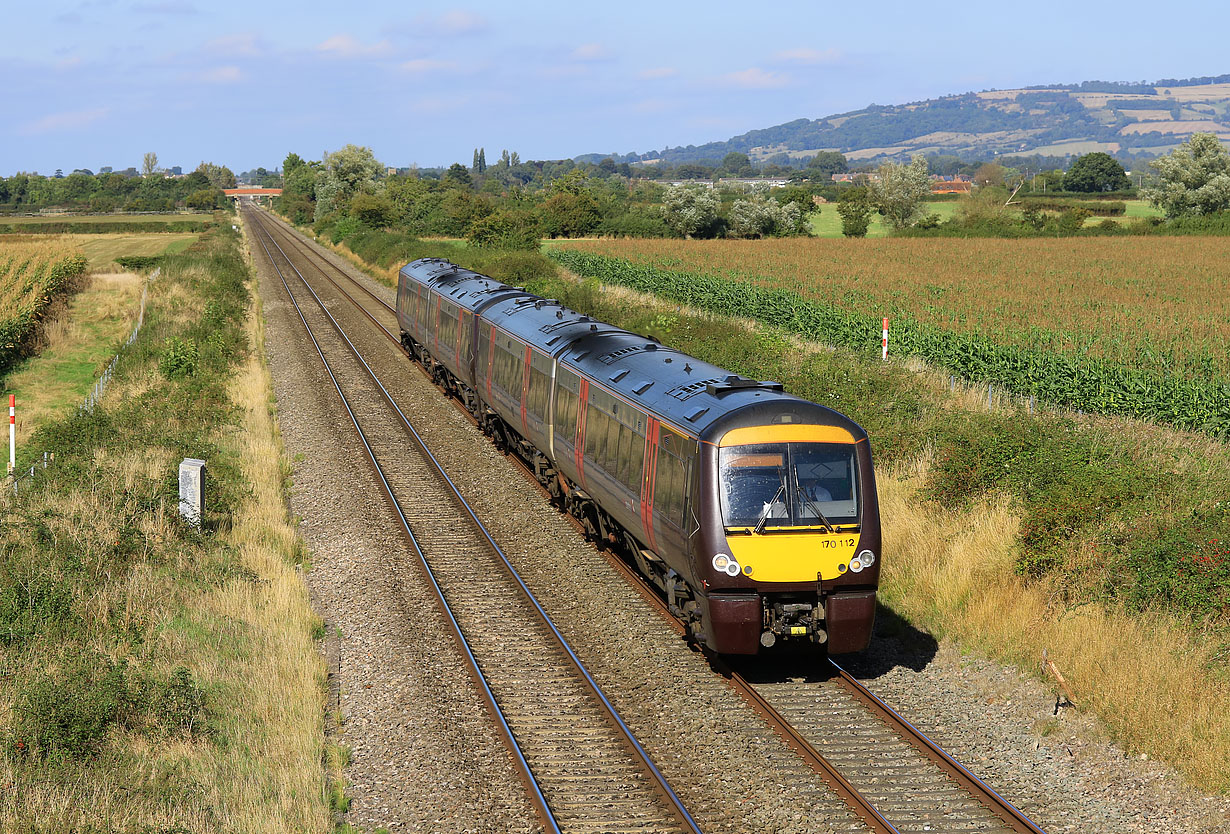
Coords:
767,485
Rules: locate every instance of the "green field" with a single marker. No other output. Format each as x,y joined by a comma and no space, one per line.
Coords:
102,250
827,222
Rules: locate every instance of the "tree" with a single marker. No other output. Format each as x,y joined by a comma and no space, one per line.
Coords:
737,164
823,165
989,173
508,228
372,210
570,214
690,211
458,174
347,171
900,191
855,209
203,199
219,176
1096,172
1194,178
149,164
759,216
482,160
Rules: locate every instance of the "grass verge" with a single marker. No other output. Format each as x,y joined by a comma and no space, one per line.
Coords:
157,677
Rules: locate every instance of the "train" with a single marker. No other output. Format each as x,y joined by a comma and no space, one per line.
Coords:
752,511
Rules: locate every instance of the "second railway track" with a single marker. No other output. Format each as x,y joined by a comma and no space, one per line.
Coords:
890,774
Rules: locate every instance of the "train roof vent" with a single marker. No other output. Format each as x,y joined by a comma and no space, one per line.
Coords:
618,375
615,355
691,389
734,382
522,304
643,387
696,413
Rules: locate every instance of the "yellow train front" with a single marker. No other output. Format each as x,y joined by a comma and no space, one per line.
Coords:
754,512
787,546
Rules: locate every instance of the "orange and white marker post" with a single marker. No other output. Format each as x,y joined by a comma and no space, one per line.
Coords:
884,342
12,433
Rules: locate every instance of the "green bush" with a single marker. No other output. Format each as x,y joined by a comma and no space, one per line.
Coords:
136,263
179,358
70,713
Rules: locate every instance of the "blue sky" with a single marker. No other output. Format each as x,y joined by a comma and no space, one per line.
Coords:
100,82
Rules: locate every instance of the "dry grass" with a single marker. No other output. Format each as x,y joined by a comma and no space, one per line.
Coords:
244,633
76,345
1129,299
1151,680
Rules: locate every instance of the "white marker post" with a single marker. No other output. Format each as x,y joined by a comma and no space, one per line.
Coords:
884,342
192,491
12,433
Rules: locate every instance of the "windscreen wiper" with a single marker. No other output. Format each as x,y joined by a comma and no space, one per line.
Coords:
812,504
768,508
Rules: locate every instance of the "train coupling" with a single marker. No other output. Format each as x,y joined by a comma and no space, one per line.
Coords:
791,620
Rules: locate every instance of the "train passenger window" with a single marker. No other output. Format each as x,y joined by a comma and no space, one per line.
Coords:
673,471
567,387
595,435
484,347
540,384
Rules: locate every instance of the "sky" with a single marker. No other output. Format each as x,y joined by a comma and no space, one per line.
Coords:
92,83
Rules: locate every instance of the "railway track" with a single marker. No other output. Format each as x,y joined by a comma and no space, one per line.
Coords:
889,773
583,768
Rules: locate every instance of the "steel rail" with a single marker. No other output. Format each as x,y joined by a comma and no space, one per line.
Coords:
527,775
1004,809
660,781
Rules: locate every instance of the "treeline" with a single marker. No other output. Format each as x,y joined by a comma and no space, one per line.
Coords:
82,191
510,204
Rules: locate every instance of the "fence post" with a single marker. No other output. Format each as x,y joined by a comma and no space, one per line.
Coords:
884,342
12,433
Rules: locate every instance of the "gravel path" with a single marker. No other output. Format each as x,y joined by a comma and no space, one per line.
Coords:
716,752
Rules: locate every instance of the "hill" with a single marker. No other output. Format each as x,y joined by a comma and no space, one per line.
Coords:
1122,119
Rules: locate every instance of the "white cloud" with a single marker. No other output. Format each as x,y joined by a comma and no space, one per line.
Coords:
655,73
60,122
808,57
348,46
590,52
754,78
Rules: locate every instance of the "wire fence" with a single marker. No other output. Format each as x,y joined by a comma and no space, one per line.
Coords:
100,386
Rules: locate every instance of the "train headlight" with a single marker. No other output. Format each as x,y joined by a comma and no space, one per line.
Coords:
867,558
733,568
722,562
855,565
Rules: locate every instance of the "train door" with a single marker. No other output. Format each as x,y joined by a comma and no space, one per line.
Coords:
647,482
